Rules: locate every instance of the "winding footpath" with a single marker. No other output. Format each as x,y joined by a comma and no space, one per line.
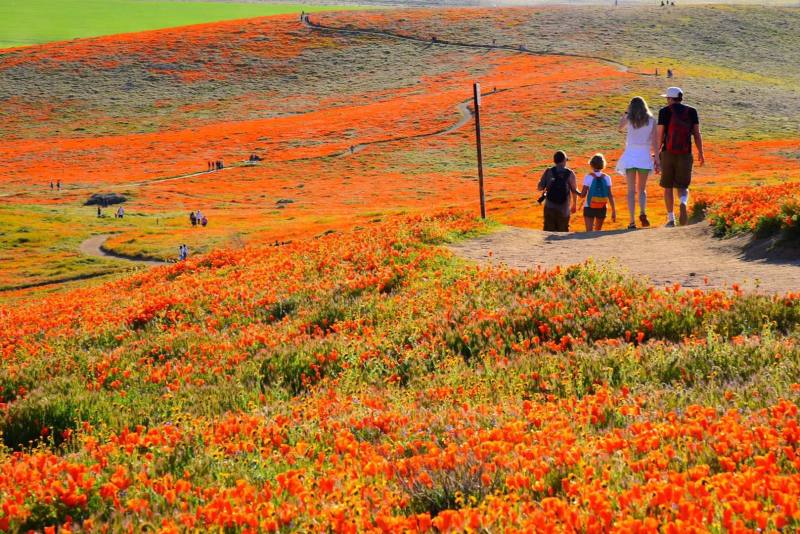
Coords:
94,247
461,44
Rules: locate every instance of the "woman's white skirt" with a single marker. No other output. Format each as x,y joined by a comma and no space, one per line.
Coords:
635,157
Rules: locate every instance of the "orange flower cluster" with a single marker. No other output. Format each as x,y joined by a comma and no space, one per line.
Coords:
367,382
764,210
373,462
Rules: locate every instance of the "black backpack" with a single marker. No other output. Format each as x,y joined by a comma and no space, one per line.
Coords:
558,190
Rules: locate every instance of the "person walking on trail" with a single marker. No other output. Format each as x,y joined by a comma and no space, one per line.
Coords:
192,218
597,190
121,212
58,185
560,194
678,124
51,185
637,161
99,211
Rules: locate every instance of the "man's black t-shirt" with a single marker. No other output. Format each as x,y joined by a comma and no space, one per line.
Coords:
665,113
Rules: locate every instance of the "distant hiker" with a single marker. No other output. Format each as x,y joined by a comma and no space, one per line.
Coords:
58,185
192,218
204,221
51,185
656,71
669,73
559,185
637,161
433,38
677,125
597,190
121,212
662,3
183,252
494,42
302,16
352,149
99,211
198,217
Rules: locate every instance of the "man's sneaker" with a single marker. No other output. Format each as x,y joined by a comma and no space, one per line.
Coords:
643,220
670,224
684,216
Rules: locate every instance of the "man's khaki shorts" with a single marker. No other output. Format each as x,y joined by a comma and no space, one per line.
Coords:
676,170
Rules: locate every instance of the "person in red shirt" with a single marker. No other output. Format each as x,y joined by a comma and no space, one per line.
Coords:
678,124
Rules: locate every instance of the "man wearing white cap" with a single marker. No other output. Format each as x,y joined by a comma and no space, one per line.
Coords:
677,125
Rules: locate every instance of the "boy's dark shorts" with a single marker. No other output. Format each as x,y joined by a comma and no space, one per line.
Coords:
676,170
595,213
555,220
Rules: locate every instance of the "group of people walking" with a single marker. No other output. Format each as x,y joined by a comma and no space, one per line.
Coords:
662,144
196,218
55,185
215,165
183,252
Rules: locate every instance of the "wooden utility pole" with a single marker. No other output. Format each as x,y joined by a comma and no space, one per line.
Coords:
476,95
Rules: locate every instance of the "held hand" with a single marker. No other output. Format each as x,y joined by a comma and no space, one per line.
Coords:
701,159
613,215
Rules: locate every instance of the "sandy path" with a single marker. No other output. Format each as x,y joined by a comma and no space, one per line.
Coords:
684,255
94,247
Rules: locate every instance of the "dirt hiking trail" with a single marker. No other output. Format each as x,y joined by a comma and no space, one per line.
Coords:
94,247
685,255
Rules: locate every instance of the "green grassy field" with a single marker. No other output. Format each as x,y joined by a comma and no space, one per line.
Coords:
41,21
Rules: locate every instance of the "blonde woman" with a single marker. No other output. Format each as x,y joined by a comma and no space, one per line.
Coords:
637,162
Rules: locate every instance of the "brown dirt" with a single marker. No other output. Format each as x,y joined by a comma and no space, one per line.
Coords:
94,247
687,256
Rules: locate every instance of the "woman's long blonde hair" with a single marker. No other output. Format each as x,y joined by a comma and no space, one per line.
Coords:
638,113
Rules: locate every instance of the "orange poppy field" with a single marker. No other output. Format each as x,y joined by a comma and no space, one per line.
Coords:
142,114
323,361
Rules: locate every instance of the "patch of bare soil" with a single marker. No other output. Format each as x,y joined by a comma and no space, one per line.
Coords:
689,256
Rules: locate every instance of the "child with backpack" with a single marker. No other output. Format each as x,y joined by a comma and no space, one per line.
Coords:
597,190
559,185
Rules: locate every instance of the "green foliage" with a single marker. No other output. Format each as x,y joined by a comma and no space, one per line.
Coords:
47,412
451,488
296,368
41,21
